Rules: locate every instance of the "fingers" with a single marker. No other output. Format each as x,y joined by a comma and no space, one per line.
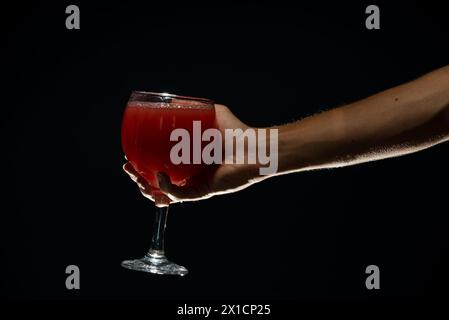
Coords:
129,169
176,193
135,176
144,186
179,192
168,187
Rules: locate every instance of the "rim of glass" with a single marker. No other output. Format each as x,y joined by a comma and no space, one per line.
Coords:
165,95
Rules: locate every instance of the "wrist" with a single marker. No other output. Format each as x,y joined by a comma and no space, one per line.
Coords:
292,153
265,153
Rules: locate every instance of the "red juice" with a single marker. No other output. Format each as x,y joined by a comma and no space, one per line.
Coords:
146,130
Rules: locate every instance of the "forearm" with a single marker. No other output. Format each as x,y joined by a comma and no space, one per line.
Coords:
398,121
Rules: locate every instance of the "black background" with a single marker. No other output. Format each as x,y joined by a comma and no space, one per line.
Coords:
66,200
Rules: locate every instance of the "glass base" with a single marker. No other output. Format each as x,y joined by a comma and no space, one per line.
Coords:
155,262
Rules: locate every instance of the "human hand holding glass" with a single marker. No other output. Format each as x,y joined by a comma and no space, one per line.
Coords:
225,178
147,124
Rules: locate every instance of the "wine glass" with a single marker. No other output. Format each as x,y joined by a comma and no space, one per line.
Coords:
148,121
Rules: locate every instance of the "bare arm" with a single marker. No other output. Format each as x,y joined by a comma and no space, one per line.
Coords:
401,120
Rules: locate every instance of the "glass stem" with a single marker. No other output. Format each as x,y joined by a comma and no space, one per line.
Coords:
157,242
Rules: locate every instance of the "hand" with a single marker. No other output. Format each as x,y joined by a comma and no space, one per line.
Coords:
226,178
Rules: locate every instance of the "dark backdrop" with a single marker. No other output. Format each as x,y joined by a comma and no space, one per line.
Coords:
65,199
